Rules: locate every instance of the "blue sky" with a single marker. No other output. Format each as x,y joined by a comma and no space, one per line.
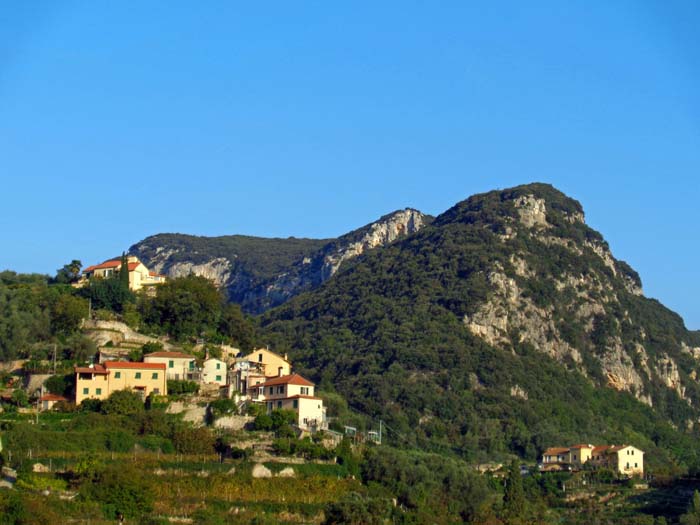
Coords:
119,120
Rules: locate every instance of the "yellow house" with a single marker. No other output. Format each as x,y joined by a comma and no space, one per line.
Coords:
139,275
272,364
179,366
623,459
99,381
626,459
294,392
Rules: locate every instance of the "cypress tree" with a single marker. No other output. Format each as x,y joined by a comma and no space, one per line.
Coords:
514,497
124,273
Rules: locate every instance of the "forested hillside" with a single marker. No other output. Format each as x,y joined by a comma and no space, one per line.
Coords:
492,331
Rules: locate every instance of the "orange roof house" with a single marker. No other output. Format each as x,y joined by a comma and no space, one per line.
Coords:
139,275
296,393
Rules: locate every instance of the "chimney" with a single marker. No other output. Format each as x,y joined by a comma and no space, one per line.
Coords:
285,356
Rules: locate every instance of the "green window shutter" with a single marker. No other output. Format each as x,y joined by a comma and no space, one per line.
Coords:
296,403
171,364
138,375
98,392
86,391
155,375
117,375
218,378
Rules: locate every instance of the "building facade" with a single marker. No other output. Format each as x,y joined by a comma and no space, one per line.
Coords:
214,371
179,366
99,381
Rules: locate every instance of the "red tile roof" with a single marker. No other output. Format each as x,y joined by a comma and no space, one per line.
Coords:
299,396
52,397
96,369
107,264
581,446
601,449
116,263
137,366
292,379
169,355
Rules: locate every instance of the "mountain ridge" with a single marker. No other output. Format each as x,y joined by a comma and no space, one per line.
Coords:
239,264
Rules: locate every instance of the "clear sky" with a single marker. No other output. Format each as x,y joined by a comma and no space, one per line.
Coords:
119,120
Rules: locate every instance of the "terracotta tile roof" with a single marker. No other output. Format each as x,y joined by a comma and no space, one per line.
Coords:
292,379
600,449
555,451
115,263
616,448
136,366
52,397
581,446
97,369
169,355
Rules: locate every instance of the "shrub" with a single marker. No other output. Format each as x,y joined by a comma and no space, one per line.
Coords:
123,402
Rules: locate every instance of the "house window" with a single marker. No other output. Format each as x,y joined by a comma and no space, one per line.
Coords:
138,375
171,364
218,366
155,375
295,404
632,452
218,378
279,404
280,389
574,457
86,391
304,390
259,358
271,390
628,465
117,375
156,390
98,391
635,465
191,365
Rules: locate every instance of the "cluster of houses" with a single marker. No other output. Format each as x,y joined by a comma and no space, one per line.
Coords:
625,460
260,377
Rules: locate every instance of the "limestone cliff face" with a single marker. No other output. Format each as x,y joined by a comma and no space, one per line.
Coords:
586,311
234,267
312,271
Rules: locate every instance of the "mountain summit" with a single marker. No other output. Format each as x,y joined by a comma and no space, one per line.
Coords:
506,323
